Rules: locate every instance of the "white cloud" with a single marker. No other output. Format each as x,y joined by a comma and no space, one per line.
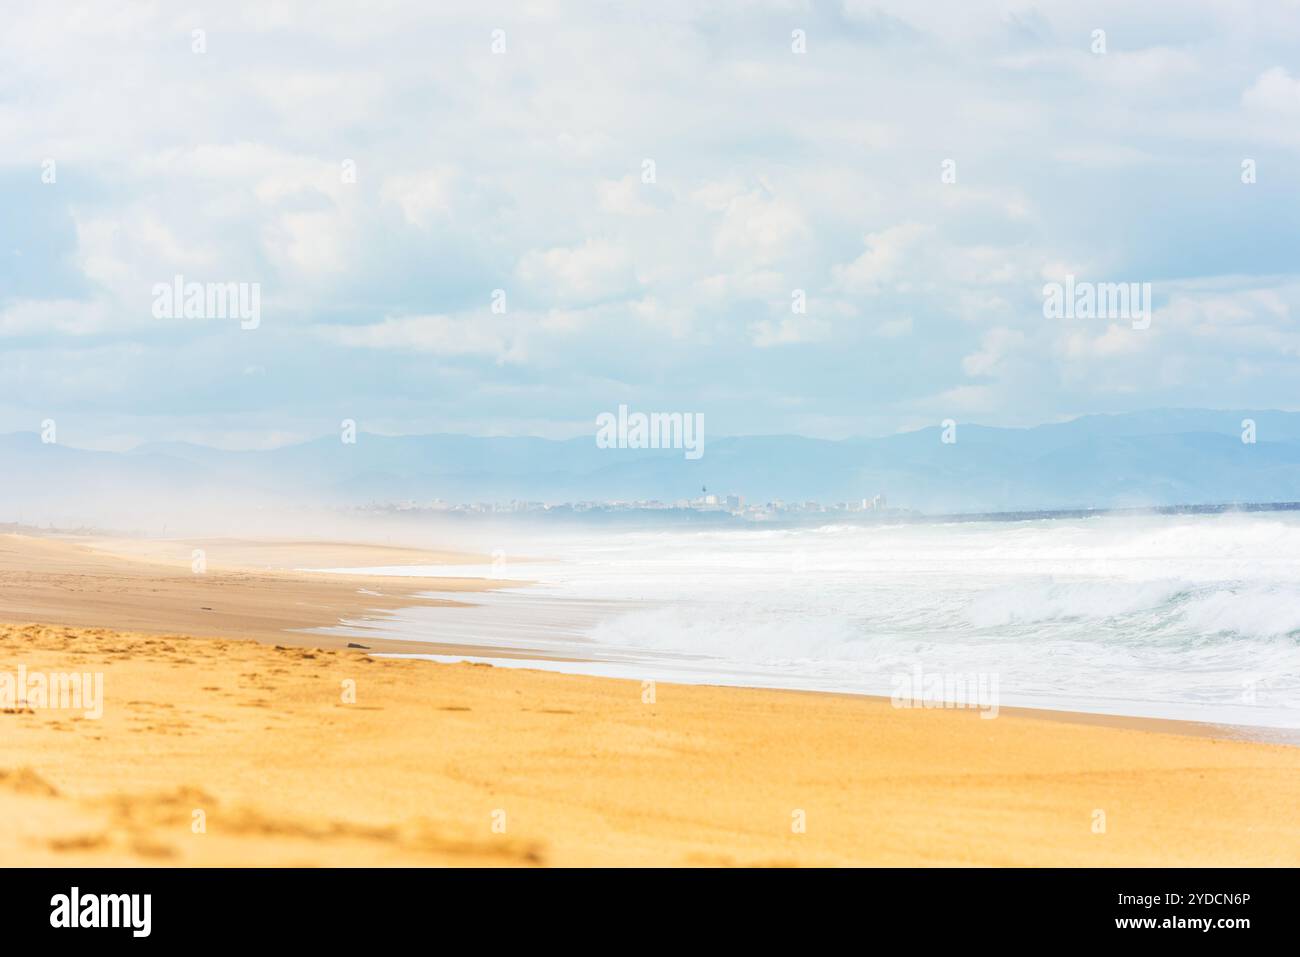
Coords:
314,244
791,330
675,320
593,270
424,198
488,336
757,228
995,346
523,172
63,317
1274,91
629,196
883,260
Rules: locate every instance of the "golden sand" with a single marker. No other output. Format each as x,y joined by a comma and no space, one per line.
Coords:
234,752
246,589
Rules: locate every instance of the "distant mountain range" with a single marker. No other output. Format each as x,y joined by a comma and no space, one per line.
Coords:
1164,457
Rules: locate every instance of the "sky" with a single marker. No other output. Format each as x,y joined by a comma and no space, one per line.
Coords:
506,219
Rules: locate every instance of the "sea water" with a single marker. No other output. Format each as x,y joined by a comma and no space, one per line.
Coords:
1192,617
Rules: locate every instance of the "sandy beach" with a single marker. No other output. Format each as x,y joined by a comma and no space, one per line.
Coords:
227,740
247,589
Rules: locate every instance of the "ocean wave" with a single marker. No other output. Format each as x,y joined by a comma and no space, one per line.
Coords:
1199,611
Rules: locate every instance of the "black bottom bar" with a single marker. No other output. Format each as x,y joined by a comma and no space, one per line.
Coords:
338,907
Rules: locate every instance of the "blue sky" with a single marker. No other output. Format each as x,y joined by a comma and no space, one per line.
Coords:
522,171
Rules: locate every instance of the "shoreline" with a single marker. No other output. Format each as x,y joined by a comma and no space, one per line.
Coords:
1220,730
260,590
290,748
246,589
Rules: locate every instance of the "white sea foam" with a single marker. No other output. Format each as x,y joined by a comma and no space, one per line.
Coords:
1195,617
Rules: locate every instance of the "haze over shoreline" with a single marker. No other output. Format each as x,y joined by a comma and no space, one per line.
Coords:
1137,460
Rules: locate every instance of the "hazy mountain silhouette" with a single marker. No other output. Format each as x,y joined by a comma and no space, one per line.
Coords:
1163,457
